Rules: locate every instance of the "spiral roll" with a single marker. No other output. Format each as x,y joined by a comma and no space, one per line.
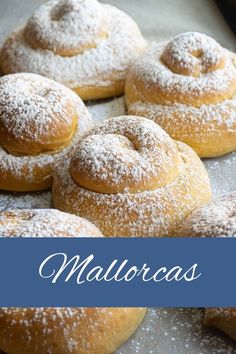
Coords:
85,45
131,179
188,87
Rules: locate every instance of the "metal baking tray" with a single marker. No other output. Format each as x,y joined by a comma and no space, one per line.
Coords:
164,331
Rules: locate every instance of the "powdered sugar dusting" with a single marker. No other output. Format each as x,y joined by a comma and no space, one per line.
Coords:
187,86
215,219
99,111
67,26
193,54
150,80
99,66
222,174
44,223
175,331
34,108
23,167
125,153
177,116
197,127
161,325
106,109
38,200
144,213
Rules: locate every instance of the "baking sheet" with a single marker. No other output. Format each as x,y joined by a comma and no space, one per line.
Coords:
164,331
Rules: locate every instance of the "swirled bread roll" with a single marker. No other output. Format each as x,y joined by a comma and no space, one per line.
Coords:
215,219
188,87
130,178
85,45
41,122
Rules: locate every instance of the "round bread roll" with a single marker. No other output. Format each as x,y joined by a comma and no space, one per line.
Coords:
215,219
188,87
60,330
41,123
131,179
85,45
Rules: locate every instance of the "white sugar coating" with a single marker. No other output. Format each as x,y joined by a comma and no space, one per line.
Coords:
141,213
37,200
222,174
191,337
19,164
67,24
34,107
177,116
44,223
216,219
103,110
193,52
99,66
155,335
199,110
151,71
130,151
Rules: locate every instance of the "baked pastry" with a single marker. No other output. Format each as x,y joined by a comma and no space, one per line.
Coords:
188,87
44,223
223,319
84,45
41,123
215,219
60,330
130,178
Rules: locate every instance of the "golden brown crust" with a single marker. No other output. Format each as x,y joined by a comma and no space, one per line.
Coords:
41,122
121,198
188,87
67,330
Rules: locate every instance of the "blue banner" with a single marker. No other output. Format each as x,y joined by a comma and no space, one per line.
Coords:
117,272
